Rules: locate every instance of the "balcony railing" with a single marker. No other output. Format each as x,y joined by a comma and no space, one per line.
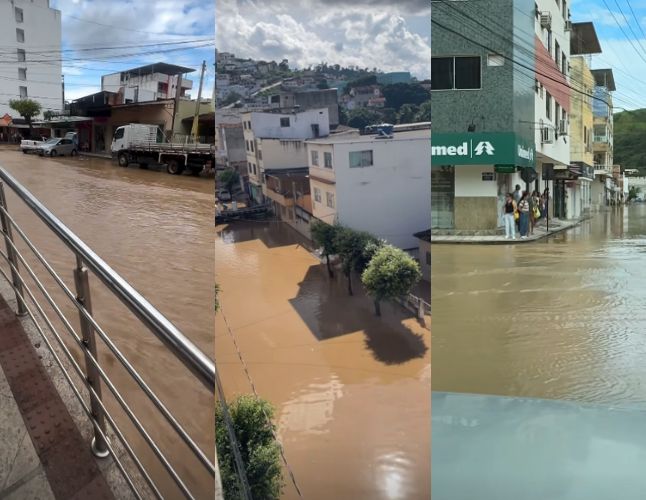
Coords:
93,374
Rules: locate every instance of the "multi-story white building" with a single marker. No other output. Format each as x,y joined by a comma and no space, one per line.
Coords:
602,145
30,37
274,141
152,82
377,184
553,99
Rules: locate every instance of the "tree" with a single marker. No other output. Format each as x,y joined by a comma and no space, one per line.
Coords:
407,113
351,247
322,85
399,94
362,117
388,115
343,116
228,179
217,300
48,115
252,422
362,81
26,108
231,98
390,274
424,113
633,192
324,236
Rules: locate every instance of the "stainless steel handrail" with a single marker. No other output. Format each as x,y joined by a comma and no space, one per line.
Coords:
187,352
196,361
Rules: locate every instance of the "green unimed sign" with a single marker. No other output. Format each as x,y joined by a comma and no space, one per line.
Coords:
481,149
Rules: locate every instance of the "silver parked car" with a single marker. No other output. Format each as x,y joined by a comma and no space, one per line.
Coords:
58,147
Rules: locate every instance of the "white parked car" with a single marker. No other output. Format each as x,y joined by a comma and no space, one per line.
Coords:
58,147
29,146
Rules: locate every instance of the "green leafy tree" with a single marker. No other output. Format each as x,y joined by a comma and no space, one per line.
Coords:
352,246
407,113
343,116
388,115
390,274
633,192
324,236
424,113
253,426
231,98
362,117
228,178
48,115
399,94
362,81
28,109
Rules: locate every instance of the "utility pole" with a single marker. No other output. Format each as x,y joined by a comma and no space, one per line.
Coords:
197,104
178,92
63,94
215,84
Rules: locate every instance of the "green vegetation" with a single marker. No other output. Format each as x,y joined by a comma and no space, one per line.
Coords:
253,426
217,301
228,178
362,117
390,274
230,99
633,192
26,108
355,249
399,94
630,140
324,236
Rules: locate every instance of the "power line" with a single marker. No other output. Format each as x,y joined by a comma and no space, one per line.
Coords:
630,27
622,30
125,29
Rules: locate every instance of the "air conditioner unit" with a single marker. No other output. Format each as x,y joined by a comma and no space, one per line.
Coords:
568,25
546,136
546,19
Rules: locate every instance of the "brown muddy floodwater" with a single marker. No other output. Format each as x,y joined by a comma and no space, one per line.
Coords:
351,391
563,318
156,231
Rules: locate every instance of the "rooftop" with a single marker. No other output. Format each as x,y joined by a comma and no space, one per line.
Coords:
354,137
583,39
161,67
604,78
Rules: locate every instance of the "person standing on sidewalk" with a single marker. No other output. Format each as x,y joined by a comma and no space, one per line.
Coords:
523,221
508,217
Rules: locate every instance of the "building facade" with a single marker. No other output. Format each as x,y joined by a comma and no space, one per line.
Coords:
604,189
274,141
152,82
371,183
28,71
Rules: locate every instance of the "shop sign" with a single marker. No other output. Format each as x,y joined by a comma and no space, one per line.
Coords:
481,149
488,176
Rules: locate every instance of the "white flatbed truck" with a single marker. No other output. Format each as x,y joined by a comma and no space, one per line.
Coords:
145,144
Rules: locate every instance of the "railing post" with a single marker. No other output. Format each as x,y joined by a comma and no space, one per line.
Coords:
11,253
99,446
420,309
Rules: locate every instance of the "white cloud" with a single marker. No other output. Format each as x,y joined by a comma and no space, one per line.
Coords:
629,71
337,32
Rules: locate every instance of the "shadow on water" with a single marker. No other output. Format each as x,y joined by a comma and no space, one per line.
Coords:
271,234
330,312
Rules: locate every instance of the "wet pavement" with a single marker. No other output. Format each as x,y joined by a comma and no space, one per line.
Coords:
562,318
351,391
156,231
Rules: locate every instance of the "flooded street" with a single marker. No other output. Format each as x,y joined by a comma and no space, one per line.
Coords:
562,318
351,391
156,231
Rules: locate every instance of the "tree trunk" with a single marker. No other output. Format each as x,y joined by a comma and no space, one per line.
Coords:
329,268
349,275
377,308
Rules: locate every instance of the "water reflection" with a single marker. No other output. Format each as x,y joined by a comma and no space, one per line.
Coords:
562,318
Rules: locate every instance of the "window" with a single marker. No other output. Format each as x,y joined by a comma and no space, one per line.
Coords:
252,146
19,15
22,74
361,158
585,135
315,158
119,133
329,199
557,54
455,73
66,141
246,142
549,41
564,64
22,56
557,112
317,194
23,92
548,105
284,122
327,160
249,167
428,258
20,35
315,129
255,170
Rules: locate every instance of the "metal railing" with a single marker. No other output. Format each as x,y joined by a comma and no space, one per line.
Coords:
94,376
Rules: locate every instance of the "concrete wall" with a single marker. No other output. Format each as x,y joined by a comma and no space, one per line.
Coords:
392,198
281,154
267,125
581,116
42,28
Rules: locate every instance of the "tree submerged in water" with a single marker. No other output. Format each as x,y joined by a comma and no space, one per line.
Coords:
252,422
390,275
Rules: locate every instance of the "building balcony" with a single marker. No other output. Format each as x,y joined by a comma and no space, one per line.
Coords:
284,199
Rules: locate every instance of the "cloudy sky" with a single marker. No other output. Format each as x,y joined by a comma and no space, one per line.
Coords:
134,29
627,60
389,35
